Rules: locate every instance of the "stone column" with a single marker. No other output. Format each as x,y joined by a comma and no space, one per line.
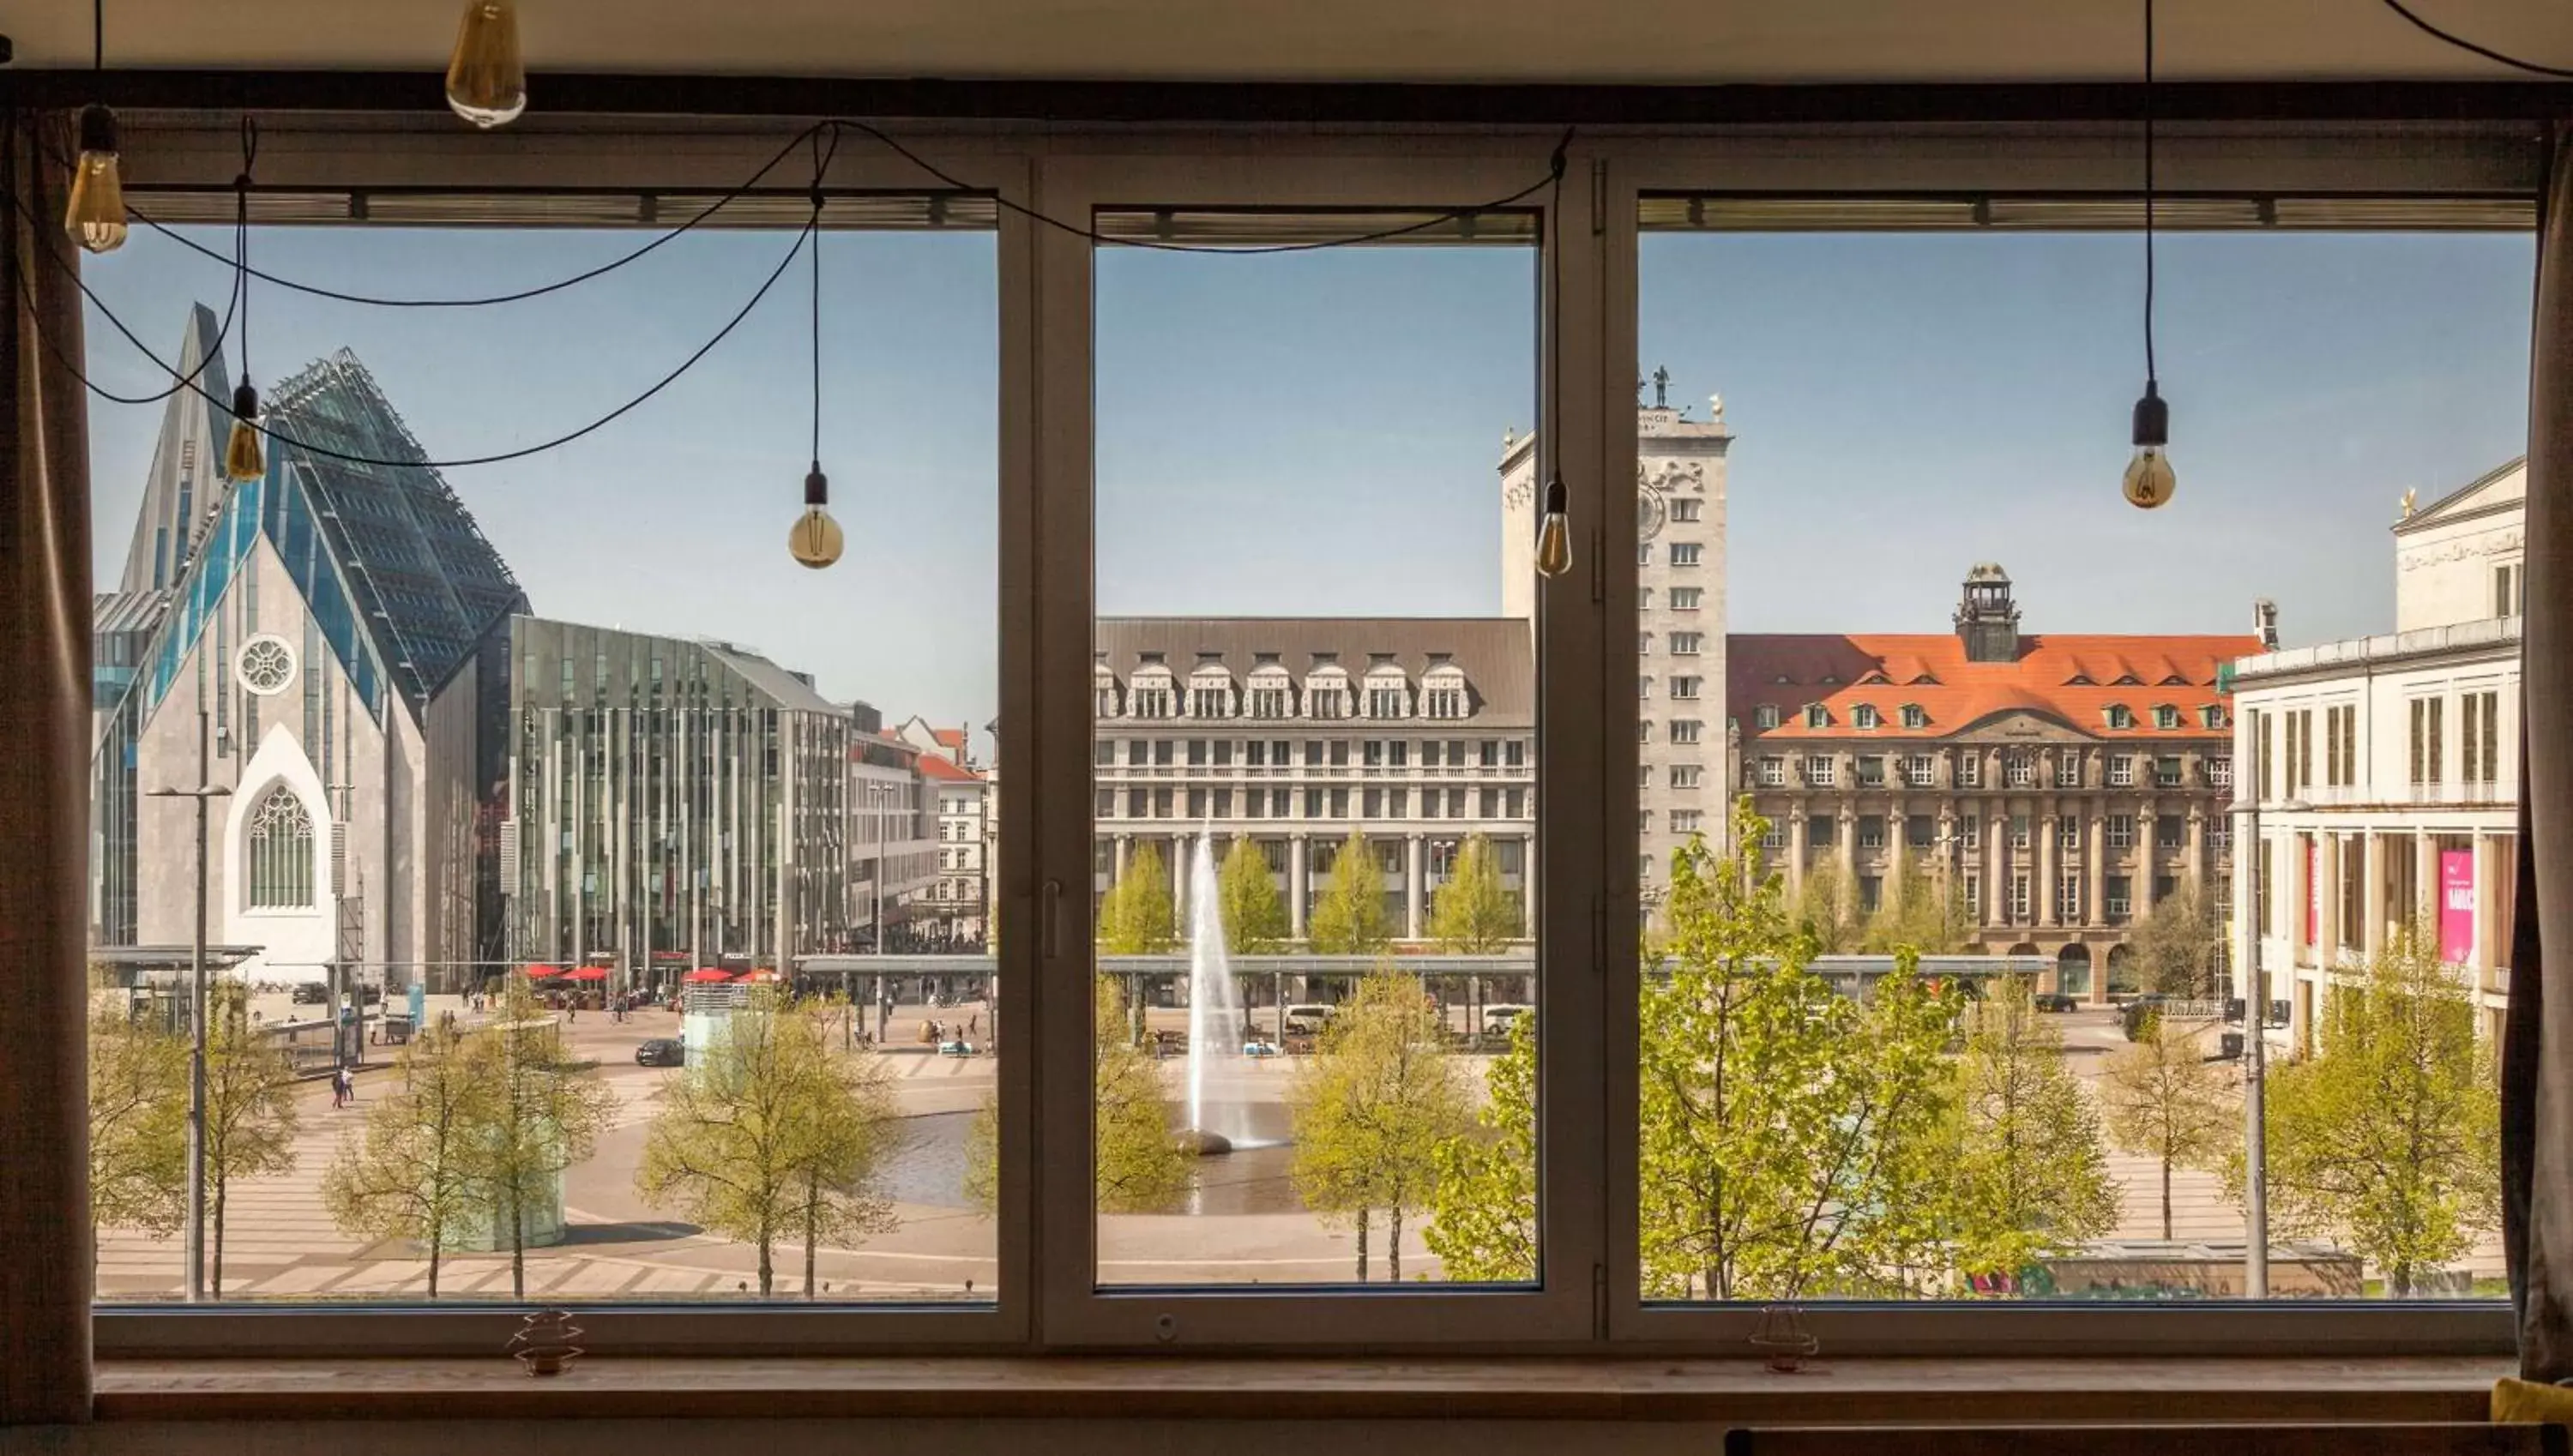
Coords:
1116,867
1178,873
2371,856
1799,844
2426,879
2095,910
2327,935
2147,837
1896,849
1847,849
1414,879
2198,847
1527,886
1995,856
2043,891
1298,877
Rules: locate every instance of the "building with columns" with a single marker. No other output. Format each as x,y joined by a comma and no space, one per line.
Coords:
1295,732
2388,768
2058,785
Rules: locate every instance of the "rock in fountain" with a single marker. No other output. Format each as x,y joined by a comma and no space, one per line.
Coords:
1215,1010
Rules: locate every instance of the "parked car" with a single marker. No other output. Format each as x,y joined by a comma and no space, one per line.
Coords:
1498,1020
661,1051
1309,1021
2056,1001
310,993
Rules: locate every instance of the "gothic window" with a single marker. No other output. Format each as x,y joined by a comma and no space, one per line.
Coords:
281,853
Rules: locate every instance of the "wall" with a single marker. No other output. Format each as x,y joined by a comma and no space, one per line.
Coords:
2444,563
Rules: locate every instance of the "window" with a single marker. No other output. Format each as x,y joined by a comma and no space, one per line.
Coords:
2261,735
2122,770
1269,702
2479,738
2166,716
1863,716
1684,553
2120,716
1970,769
1685,510
2018,900
1765,716
1644,686
2121,831
1685,689
1773,771
1445,702
2167,828
1684,775
1871,831
2510,590
1685,598
2219,773
1919,771
1818,771
2300,751
2068,899
1914,716
2068,770
1687,730
1817,716
1209,702
2425,745
2166,771
2211,715
2067,832
2115,891
1820,829
1687,821
2019,769
1384,701
1918,830
1686,644
1643,730
1152,702
2019,831
279,853
1871,771
1644,644
1871,894
2342,747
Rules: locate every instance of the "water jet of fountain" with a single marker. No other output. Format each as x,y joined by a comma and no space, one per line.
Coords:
1215,1010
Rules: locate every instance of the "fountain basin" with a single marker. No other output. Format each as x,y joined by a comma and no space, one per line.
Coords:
1203,1144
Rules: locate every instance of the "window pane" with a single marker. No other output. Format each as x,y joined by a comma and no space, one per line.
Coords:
512,763
1305,1065
2053,1106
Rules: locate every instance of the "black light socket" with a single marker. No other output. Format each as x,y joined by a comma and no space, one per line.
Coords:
246,402
1555,495
2152,419
98,129
817,486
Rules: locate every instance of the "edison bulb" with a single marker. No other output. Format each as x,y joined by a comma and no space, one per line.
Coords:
487,83
815,540
242,458
1554,534
95,217
2149,480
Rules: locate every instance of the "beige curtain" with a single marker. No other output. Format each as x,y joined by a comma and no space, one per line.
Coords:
45,1261
2537,1052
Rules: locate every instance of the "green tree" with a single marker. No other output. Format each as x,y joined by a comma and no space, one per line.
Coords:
1779,1116
1473,914
251,1121
1482,1205
1915,913
138,1123
2029,1178
2175,947
2388,1139
411,1173
1141,1160
772,1133
545,1115
1349,918
1826,908
1135,916
2162,1099
1370,1107
1254,917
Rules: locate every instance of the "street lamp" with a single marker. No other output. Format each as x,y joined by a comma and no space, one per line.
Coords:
203,793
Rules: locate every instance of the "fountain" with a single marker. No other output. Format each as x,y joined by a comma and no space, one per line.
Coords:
1215,1010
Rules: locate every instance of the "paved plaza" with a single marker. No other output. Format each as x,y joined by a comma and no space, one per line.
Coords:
280,1243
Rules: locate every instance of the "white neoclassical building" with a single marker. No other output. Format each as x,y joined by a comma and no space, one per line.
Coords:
2388,768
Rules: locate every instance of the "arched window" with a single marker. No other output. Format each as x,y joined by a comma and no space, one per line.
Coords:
281,853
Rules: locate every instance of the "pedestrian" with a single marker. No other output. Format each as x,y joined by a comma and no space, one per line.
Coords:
348,1084
974,1024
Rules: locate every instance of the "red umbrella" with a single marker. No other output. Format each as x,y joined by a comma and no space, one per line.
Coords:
705,975
761,975
539,972
586,973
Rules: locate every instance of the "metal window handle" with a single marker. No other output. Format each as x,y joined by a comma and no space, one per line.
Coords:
1049,916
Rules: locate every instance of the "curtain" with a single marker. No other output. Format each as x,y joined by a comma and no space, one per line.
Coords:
44,795
2537,1048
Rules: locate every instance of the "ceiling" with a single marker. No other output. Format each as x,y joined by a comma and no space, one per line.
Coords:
1592,40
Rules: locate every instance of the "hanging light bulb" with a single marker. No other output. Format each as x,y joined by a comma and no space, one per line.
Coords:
242,458
815,540
2149,480
95,217
1553,533
486,84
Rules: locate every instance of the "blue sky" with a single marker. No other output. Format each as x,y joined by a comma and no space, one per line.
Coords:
1317,432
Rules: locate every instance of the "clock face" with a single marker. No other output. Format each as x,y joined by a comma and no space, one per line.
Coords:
1651,510
265,665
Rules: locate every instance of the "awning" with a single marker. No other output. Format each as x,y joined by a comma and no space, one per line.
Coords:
705,975
539,972
586,973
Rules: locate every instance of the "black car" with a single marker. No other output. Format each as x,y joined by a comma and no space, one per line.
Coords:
310,993
2056,1001
661,1051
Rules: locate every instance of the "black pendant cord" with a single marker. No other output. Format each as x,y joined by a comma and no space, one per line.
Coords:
241,239
98,35
1555,488
2153,375
822,156
2461,43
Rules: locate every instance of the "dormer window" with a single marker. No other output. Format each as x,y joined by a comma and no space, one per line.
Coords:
1829,680
2174,680
1765,716
2120,716
1105,684
1817,716
1388,691
2166,716
2211,715
2128,679
1863,716
1874,679
1273,694
1782,681
1914,717
2079,679
1211,688
1442,690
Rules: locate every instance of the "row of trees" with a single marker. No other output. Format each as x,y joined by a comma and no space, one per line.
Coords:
1472,913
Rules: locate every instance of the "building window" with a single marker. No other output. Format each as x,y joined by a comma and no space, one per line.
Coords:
2122,771
1918,830
1687,821
1919,771
1818,771
1687,730
2480,738
1914,717
2121,831
2020,769
1820,829
1817,716
1643,730
1684,775
2219,773
1327,703
1643,687
1685,510
2019,831
1871,893
1686,688
2261,737
2166,716
2019,899
1773,772
2068,771
1765,716
281,853
2340,745
1447,702
2068,899
2166,831
1684,553
2120,900
2510,590
1687,644
1269,702
2220,833
1210,702
2426,746
1686,598
1152,702
1870,772
2120,716
1644,644
1863,716
1871,831
1970,770
1384,701
2211,716
2166,771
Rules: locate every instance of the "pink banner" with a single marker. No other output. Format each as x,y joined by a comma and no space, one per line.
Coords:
2456,905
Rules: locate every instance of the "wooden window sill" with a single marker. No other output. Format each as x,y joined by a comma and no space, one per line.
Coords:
1183,1388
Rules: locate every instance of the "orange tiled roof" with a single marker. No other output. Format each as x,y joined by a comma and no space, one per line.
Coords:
2074,679
949,738
934,767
